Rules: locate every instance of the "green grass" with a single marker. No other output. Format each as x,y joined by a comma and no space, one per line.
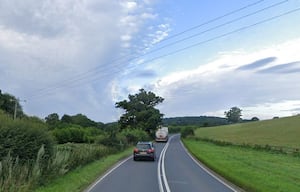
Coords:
80,178
277,132
248,168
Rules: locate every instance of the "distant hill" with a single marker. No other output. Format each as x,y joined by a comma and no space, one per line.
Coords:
202,121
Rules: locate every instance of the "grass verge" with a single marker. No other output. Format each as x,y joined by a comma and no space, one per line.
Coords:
250,169
80,178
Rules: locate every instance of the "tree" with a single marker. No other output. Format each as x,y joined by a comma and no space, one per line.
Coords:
234,114
83,121
66,119
140,112
52,120
8,103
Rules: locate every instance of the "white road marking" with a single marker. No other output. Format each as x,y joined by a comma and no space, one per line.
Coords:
206,170
161,172
109,172
164,170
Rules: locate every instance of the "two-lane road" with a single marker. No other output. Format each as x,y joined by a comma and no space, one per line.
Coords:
173,171
184,174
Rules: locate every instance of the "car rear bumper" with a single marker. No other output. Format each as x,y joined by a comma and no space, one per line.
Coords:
144,156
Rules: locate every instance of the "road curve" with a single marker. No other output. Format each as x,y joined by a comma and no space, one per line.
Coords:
184,174
173,171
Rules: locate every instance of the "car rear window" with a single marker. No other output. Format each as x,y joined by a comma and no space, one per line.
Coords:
143,146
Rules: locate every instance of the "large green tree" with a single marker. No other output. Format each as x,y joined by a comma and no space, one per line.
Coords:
140,111
234,114
10,105
52,120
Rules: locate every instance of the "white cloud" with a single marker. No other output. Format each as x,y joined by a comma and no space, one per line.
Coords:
60,55
64,57
129,6
219,85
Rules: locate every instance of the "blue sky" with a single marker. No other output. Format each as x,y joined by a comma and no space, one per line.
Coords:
203,57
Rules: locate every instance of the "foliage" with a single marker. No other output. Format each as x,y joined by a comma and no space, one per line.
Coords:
134,135
234,114
23,138
73,134
23,177
8,103
28,156
76,134
187,131
66,119
140,111
52,120
78,119
202,121
84,175
81,154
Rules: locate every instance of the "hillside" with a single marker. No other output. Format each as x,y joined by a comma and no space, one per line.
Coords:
203,121
275,132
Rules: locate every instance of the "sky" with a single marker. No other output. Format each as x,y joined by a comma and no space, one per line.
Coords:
202,57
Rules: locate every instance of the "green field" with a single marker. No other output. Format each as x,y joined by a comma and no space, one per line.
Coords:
251,169
276,132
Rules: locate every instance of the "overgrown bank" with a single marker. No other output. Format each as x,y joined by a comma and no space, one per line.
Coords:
80,178
31,157
34,152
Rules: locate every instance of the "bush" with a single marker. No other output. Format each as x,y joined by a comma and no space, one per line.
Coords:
74,134
81,154
134,135
23,138
174,129
187,131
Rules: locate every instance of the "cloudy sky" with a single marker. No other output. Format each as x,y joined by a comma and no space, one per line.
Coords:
203,57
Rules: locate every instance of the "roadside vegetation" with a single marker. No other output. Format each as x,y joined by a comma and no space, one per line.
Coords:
35,153
257,156
83,175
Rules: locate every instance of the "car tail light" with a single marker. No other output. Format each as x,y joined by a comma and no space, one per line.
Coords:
136,150
150,150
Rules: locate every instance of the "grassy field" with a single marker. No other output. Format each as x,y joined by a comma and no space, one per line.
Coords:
276,132
250,169
81,178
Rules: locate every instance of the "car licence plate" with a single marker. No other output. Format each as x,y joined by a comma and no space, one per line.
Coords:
143,153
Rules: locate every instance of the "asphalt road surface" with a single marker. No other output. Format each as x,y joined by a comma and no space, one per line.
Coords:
173,171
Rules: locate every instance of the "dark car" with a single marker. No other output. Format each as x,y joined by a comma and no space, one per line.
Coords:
144,150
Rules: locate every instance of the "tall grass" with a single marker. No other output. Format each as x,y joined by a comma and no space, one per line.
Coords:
22,177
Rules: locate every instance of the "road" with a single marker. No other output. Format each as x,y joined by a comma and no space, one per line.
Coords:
173,171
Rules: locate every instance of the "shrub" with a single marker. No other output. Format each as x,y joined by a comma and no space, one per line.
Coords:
187,131
134,135
81,154
73,134
23,138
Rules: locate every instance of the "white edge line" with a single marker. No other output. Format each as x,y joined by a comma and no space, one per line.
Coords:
109,172
206,170
163,169
161,189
